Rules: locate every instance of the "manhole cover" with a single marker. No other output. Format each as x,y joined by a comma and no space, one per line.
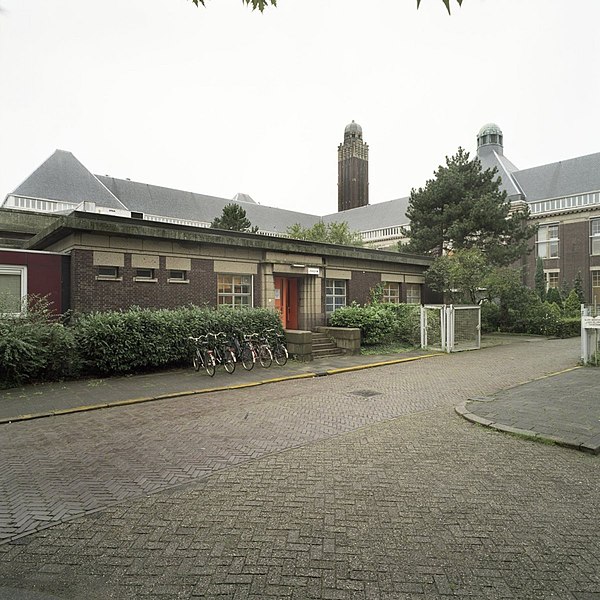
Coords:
365,393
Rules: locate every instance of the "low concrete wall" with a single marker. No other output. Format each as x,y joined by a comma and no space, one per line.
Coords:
346,338
299,344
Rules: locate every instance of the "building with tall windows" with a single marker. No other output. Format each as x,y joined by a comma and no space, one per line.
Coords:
52,208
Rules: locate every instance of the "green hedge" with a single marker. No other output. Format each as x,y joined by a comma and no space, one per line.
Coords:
142,339
40,347
380,323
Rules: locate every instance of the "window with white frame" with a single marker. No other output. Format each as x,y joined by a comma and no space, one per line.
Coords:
177,276
413,293
595,287
595,236
13,289
335,294
144,274
234,290
391,292
106,273
547,241
551,279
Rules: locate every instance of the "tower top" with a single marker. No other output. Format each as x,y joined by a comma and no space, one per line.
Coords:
352,131
490,137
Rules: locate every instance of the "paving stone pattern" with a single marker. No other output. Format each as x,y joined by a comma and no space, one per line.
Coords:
420,506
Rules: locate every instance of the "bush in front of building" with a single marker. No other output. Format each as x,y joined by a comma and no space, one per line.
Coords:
138,339
36,345
380,322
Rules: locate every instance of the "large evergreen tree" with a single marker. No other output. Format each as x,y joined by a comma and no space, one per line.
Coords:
463,207
233,218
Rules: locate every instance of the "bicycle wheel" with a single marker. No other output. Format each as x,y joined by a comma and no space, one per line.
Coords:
228,361
197,359
209,363
280,354
265,356
247,358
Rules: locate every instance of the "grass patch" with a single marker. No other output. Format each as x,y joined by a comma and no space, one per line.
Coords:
389,348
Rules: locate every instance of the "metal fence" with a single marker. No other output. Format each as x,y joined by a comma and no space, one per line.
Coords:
590,335
450,328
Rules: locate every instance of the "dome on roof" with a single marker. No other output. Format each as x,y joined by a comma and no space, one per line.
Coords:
490,138
353,130
490,128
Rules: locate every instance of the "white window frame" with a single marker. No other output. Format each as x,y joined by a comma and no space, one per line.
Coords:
595,289
547,273
411,297
545,245
20,270
595,237
391,292
106,277
332,299
244,279
143,278
183,278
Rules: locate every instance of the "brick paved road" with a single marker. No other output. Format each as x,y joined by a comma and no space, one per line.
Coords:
418,507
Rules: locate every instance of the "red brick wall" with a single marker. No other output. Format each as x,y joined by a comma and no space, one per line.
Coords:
88,294
360,286
574,256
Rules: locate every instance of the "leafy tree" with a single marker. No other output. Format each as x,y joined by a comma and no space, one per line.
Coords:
540,280
572,306
460,275
578,287
553,297
233,218
262,4
330,233
463,207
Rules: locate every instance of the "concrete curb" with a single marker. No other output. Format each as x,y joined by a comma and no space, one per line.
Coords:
223,388
464,412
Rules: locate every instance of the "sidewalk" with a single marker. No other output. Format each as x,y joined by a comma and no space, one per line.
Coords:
59,398
562,408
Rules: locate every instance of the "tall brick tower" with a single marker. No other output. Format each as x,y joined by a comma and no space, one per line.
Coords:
353,169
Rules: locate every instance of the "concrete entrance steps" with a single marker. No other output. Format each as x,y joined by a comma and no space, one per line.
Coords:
323,346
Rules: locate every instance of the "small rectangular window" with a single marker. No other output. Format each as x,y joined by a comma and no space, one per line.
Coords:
177,276
108,272
144,275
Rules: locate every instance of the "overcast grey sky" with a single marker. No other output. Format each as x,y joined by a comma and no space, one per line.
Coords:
220,100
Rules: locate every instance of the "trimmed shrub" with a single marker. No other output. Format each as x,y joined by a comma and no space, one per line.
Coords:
380,323
143,339
568,327
376,324
572,306
36,346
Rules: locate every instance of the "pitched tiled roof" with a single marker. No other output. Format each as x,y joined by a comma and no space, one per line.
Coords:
559,179
63,177
168,202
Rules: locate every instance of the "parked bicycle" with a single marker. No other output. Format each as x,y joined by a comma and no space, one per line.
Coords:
223,349
276,341
203,356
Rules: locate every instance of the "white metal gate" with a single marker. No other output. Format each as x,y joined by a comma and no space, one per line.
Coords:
590,335
450,328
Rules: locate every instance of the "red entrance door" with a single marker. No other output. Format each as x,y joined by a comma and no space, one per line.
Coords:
286,301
